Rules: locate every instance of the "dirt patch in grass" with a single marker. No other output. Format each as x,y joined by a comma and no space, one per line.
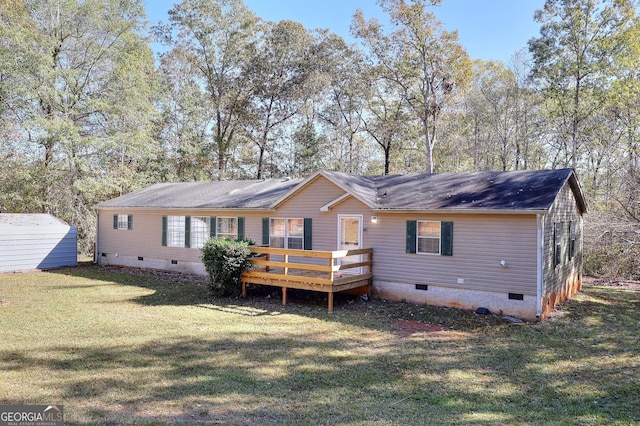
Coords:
613,282
407,328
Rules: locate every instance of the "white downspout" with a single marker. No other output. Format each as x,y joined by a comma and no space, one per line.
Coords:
539,263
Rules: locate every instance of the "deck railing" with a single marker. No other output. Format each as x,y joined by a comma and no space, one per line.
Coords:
325,271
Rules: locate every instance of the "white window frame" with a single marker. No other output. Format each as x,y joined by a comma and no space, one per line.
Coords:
123,221
199,231
230,235
429,237
176,235
287,237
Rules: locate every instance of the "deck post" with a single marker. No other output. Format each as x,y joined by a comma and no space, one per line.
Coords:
330,301
331,263
285,258
244,288
284,295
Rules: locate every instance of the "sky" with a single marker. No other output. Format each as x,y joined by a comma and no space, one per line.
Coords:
488,29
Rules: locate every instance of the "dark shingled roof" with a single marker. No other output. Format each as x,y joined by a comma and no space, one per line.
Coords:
530,190
235,194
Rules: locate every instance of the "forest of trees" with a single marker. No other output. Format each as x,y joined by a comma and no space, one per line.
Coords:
88,111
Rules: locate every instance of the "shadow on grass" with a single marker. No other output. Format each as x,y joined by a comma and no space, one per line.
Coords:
304,381
170,288
580,367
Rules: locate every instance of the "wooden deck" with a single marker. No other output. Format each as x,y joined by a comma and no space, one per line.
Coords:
324,271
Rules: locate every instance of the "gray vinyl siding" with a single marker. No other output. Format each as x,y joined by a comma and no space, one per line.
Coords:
480,242
145,238
38,246
307,203
564,210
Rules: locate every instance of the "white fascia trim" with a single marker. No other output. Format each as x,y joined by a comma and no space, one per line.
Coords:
204,209
97,242
330,204
462,211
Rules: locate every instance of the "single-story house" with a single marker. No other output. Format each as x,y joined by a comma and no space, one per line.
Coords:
510,242
36,241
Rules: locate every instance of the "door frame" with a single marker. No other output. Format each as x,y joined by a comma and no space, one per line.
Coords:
360,233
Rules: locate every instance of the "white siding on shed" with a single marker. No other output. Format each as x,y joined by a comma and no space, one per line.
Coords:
36,241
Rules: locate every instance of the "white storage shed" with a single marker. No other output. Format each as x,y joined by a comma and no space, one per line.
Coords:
36,241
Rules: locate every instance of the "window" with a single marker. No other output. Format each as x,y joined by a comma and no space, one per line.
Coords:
176,231
194,231
277,233
428,237
123,221
557,244
286,233
295,237
572,239
199,231
227,227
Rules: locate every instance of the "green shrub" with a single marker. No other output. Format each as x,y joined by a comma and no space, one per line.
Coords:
225,260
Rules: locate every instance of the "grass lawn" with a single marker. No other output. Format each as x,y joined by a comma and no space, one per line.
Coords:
120,348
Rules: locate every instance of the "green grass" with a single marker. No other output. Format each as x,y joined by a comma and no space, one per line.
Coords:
116,348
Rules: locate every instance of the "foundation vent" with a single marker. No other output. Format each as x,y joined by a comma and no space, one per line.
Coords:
516,296
422,287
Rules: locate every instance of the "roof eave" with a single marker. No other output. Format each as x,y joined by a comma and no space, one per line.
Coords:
574,183
465,211
156,208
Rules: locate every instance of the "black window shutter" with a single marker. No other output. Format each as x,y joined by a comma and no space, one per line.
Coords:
240,227
412,229
572,239
265,231
446,238
130,222
187,231
164,231
557,244
115,221
212,227
307,233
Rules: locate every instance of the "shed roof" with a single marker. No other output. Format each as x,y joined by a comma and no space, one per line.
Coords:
15,222
528,191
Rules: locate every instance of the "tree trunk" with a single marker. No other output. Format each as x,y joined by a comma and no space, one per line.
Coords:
574,125
260,161
428,147
387,155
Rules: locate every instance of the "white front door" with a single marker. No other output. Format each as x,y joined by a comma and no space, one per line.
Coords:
350,238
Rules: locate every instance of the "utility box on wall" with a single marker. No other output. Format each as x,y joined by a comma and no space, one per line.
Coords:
36,241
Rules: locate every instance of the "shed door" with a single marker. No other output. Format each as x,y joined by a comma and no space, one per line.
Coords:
350,238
